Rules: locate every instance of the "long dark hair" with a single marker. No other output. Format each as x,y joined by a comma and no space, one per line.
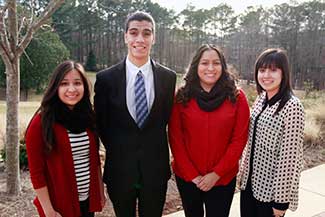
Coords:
227,79
275,57
51,101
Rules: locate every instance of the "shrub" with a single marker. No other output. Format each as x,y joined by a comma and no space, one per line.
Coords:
312,132
309,88
315,119
250,92
23,161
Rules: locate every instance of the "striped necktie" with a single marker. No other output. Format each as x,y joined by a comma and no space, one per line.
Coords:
141,104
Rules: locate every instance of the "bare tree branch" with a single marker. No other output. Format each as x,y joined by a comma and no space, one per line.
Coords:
12,26
31,19
2,29
36,24
4,54
28,58
5,48
3,9
3,51
3,35
4,43
21,26
32,11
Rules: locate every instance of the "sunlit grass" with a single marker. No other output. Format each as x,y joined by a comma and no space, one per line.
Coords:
312,130
26,111
314,104
92,77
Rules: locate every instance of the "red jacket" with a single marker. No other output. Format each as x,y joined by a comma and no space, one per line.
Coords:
56,170
202,142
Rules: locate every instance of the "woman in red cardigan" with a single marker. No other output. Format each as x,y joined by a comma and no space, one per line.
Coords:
62,148
207,133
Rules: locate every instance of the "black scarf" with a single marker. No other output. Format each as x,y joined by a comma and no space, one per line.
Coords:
209,101
75,120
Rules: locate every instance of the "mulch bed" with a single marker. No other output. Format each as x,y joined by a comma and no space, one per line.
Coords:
23,206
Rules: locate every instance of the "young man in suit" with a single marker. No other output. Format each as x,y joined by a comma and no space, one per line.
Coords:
133,101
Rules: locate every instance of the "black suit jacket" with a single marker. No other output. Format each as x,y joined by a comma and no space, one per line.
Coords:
133,153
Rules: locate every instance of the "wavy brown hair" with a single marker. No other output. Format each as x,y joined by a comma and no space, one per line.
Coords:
227,79
51,101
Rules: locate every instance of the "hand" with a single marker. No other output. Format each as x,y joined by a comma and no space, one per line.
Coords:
103,199
278,213
208,181
197,179
57,214
52,213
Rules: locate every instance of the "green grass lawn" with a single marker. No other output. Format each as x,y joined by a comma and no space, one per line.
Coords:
26,111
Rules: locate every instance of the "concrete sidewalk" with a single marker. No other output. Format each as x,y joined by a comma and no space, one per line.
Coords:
311,196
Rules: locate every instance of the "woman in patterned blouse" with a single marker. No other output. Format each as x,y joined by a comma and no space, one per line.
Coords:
272,159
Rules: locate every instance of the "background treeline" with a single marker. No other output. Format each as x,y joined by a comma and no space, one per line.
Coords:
92,30
95,27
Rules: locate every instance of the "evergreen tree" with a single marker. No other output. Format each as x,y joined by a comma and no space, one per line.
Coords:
91,62
42,55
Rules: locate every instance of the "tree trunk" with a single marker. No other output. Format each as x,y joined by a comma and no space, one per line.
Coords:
12,130
11,49
12,99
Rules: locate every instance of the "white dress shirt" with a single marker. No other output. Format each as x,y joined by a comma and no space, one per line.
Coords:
131,73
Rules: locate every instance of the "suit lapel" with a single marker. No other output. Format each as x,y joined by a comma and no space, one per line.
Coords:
121,76
158,90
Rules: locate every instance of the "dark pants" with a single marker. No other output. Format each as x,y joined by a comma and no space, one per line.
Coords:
150,202
84,209
217,201
250,207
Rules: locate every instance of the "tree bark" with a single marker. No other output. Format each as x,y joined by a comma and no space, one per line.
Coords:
12,129
11,48
12,98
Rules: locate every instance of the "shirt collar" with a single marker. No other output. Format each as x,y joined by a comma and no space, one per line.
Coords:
274,99
145,68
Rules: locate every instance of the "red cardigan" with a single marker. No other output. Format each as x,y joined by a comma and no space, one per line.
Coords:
56,170
202,142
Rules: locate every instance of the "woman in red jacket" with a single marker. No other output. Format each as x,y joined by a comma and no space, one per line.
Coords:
62,148
207,133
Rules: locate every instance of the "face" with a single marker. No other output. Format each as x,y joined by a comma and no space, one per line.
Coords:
270,80
71,89
209,69
139,39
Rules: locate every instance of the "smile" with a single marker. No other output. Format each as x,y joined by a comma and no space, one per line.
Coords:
72,97
139,47
210,74
267,82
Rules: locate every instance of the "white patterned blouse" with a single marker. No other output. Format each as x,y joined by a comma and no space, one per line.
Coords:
277,158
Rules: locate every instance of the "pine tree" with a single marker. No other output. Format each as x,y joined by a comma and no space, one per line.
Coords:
91,62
